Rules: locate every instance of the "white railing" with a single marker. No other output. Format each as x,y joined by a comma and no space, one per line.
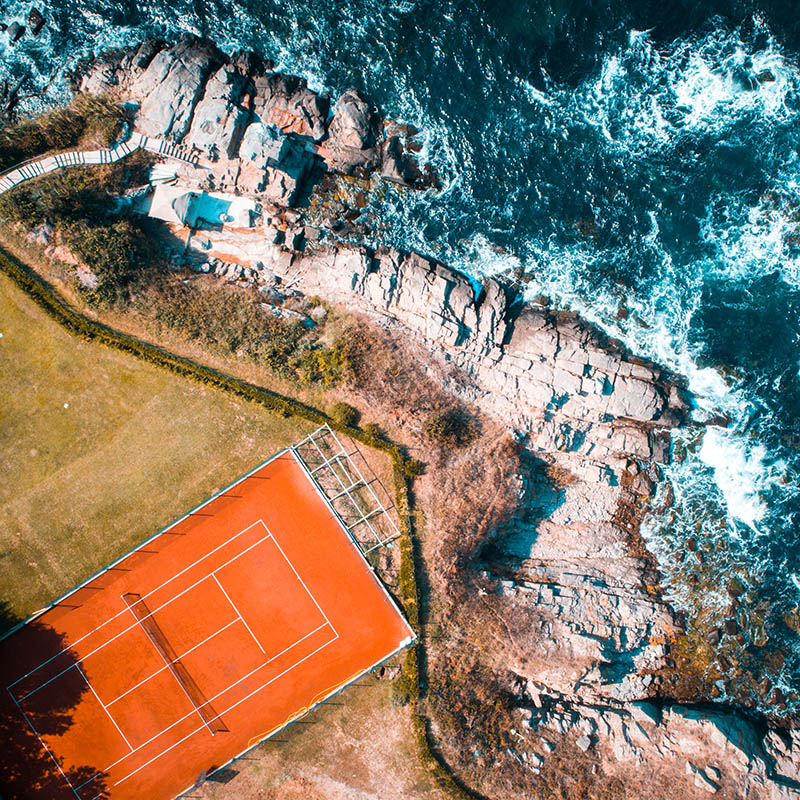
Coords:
351,496
36,167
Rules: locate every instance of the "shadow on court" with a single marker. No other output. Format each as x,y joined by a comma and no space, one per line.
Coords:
26,768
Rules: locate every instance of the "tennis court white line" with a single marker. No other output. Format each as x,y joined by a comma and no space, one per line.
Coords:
83,675
319,608
238,613
219,694
161,586
230,708
261,666
49,752
286,649
161,669
228,688
131,627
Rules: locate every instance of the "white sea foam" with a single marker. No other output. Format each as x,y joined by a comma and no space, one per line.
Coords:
755,240
645,97
741,472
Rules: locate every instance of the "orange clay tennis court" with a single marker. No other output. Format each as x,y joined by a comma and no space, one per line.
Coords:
203,641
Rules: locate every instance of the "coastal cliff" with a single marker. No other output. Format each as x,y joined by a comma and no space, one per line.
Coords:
583,590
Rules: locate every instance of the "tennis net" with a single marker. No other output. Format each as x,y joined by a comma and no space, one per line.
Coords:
156,635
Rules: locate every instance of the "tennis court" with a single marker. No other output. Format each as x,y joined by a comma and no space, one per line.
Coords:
208,638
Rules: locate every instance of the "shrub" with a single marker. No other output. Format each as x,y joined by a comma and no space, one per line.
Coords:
321,364
226,320
97,121
69,195
402,690
450,427
109,251
413,467
20,205
344,414
374,432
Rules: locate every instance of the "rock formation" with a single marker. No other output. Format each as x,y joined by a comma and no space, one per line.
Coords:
259,132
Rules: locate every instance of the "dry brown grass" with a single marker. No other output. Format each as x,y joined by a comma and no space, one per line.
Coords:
470,500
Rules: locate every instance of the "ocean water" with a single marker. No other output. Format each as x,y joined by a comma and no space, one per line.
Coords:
637,162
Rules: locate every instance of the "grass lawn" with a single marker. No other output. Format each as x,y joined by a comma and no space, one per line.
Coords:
98,450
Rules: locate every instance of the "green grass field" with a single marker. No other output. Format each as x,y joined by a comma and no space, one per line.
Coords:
98,450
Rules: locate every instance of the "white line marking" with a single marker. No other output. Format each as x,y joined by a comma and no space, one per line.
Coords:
219,694
83,674
161,586
230,708
349,537
49,752
233,605
235,683
314,599
161,669
294,644
131,627
174,674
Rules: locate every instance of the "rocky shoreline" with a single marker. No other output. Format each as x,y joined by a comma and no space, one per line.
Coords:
572,567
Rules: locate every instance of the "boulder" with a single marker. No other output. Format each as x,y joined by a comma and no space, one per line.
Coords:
219,120
396,165
353,134
100,78
645,713
35,21
171,86
272,165
287,103
702,781
145,53
14,32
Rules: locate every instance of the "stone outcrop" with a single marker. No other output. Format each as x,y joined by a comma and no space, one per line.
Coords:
287,103
172,85
220,116
585,608
353,134
258,131
272,166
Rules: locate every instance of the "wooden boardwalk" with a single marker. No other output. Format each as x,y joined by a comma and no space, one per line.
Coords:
43,165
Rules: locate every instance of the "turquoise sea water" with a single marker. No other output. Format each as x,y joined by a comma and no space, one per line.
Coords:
624,156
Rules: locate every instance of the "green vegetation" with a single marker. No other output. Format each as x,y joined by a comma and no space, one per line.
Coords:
109,251
225,321
76,202
344,414
451,427
128,454
74,195
414,468
101,450
44,296
88,120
